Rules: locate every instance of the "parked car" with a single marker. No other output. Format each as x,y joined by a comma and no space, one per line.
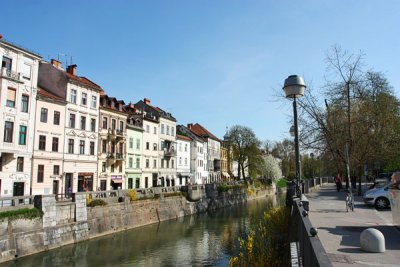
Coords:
378,196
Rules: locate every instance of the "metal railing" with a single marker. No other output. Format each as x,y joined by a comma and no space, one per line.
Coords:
10,74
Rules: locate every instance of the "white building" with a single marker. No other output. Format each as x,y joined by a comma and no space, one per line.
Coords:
48,149
198,156
183,159
81,129
18,89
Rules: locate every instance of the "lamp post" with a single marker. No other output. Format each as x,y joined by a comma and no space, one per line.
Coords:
294,88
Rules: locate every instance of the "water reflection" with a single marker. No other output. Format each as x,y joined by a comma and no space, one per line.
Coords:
207,239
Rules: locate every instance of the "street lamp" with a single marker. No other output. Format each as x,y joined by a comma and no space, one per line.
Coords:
294,88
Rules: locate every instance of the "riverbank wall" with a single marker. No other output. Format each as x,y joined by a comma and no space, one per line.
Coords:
71,222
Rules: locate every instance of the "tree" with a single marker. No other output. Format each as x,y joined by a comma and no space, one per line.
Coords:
271,168
359,109
245,148
284,151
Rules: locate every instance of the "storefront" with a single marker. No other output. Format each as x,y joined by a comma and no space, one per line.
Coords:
85,182
116,182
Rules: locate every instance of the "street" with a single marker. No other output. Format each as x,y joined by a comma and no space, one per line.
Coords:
339,231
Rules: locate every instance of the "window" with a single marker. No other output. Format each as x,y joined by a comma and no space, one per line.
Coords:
167,129
147,163
155,146
92,148
8,131
121,125
186,147
72,120
112,168
113,124
104,123
56,170
24,103
121,148
94,101
147,145
20,164
83,123
73,96
131,142
180,147
26,72
54,146
71,146
167,163
22,135
147,129
137,163
130,162
112,147
162,163
173,131
120,168
172,163
81,147
137,183
42,142
6,63
84,99
155,130
186,162
146,182
40,173
180,161
10,97
162,128
154,163
103,167
56,119
137,143
43,115
93,125
104,146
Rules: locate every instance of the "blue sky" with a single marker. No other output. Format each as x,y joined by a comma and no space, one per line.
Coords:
218,63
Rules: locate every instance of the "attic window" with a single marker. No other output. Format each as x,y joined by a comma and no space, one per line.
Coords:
120,107
112,104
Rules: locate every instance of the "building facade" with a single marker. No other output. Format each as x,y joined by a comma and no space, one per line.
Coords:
81,129
48,148
183,159
18,89
112,142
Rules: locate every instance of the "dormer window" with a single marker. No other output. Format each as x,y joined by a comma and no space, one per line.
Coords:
112,104
120,107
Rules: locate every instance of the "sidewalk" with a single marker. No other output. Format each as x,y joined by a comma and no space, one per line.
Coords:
339,231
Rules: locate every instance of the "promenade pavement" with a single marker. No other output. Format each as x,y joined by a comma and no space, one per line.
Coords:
339,231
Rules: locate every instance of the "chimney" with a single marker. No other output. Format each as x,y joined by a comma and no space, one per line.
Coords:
1,36
190,126
56,63
71,69
147,101
131,105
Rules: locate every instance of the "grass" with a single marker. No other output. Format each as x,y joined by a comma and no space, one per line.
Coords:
21,214
97,202
281,183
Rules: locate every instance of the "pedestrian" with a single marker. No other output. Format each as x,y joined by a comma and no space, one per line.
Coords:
338,181
69,191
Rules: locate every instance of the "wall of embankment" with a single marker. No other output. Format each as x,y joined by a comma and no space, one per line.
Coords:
67,223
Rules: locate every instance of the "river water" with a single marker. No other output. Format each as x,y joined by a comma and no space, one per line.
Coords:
207,239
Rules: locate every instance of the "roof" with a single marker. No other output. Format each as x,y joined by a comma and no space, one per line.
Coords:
83,80
121,102
203,132
44,93
184,137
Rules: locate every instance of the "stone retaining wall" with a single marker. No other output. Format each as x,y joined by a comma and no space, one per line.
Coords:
67,223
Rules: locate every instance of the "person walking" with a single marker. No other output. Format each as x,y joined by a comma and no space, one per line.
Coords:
338,181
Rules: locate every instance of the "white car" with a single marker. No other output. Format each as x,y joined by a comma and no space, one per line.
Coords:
378,196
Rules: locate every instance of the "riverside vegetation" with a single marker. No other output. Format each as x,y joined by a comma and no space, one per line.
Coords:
266,243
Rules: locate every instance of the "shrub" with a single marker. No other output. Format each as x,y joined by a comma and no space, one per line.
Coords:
250,192
132,194
173,194
267,241
281,183
291,176
24,213
97,202
223,188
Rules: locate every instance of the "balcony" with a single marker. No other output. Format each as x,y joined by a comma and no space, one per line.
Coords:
111,157
169,152
120,156
119,134
9,74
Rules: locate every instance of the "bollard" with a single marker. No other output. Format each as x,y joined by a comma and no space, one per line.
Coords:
372,240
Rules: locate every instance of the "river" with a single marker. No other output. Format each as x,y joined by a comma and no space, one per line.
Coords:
207,239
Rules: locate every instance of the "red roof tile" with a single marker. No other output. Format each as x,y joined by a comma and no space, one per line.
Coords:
201,131
184,137
83,80
43,92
